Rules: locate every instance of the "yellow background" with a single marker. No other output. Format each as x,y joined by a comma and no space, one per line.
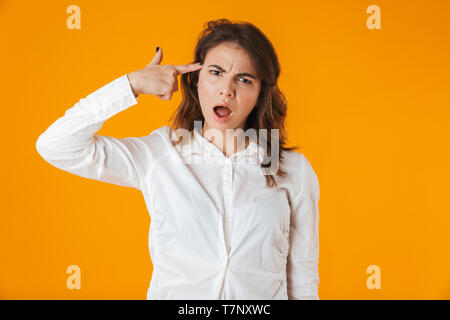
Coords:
369,107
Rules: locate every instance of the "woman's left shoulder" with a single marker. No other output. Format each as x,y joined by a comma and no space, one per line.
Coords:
298,166
295,160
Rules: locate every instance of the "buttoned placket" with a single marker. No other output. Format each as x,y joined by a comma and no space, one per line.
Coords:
212,152
227,221
227,184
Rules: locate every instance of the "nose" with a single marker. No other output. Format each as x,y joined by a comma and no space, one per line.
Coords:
227,88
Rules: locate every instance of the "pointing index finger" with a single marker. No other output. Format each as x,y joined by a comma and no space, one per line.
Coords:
184,68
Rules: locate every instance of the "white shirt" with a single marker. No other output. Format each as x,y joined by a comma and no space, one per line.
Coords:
217,231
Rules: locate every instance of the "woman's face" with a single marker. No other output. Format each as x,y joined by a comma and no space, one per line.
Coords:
228,76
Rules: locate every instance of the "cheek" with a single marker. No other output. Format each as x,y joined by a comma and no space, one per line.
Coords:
248,100
206,84
204,87
205,93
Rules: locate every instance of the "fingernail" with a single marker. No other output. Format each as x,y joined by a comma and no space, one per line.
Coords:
157,48
201,63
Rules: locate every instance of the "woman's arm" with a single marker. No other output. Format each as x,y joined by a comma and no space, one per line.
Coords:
71,144
303,257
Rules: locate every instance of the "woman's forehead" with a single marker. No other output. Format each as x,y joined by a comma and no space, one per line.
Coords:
229,56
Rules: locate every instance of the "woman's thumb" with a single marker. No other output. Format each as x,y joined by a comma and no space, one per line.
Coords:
157,58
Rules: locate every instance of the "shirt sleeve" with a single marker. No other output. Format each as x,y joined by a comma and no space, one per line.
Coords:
303,256
71,144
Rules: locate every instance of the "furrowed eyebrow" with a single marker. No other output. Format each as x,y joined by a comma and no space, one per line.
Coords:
242,74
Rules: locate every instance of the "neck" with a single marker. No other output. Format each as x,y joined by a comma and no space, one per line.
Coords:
227,143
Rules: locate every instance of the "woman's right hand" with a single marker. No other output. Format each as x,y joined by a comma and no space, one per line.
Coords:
160,80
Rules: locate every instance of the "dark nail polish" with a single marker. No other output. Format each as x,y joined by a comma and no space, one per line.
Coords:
201,63
157,49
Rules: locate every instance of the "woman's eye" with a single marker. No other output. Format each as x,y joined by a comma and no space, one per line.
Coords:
246,81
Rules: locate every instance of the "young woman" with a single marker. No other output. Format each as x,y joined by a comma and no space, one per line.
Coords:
222,225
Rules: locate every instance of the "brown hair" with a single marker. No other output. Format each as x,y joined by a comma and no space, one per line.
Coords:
270,110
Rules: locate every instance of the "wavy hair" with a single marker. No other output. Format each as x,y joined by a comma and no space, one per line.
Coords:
270,109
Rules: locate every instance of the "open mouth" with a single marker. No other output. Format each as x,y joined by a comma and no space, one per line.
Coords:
223,112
